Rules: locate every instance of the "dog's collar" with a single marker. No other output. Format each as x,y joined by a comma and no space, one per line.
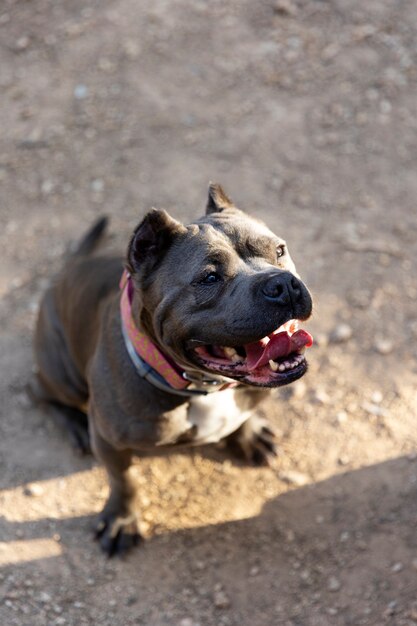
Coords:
151,364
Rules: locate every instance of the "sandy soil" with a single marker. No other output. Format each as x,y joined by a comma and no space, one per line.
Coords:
306,111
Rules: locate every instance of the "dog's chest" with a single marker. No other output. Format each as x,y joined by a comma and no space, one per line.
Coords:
215,416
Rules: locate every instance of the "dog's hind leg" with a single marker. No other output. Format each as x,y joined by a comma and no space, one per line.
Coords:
71,419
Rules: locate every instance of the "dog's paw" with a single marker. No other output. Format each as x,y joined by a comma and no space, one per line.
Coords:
117,534
255,441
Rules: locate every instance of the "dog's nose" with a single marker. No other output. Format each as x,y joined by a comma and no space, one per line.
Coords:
282,289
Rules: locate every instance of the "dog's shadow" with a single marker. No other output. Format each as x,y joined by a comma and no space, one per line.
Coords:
349,532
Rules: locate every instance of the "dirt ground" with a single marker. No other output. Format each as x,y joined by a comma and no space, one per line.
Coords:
306,112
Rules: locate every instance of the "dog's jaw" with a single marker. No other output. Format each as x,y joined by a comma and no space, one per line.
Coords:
272,361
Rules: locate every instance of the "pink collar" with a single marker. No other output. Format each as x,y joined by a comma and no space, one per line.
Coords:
150,361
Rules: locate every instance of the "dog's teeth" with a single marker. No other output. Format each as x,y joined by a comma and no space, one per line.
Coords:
281,368
229,351
273,365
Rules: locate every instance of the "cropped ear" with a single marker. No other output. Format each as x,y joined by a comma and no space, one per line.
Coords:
217,200
151,238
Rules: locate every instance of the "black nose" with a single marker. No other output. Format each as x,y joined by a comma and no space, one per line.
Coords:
283,289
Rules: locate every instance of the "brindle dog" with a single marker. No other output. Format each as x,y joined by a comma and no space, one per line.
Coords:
217,301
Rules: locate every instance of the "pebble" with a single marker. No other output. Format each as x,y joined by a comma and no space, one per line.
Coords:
333,584
80,92
44,597
97,185
374,409
384,346
397,567
341,333
321,397
377,397
22,43
33,490
391,608
294,478
332,610
47,187
285,7
341,417
221,601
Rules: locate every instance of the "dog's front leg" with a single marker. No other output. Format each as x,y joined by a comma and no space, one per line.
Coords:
116,528
254,440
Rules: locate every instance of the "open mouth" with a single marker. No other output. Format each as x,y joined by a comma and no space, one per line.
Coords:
274,360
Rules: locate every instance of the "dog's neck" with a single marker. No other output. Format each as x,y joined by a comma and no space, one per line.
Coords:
151,363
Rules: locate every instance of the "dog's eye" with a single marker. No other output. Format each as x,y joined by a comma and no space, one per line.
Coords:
280,250
211,278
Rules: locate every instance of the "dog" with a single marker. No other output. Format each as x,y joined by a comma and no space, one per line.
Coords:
175,347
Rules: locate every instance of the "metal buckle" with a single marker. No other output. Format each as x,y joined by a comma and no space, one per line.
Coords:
201,381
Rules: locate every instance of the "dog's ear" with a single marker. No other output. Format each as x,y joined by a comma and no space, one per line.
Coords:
151,238
217,200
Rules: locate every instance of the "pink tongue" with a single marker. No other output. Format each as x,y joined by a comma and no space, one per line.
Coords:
279,345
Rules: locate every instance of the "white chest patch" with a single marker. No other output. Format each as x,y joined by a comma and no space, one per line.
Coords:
215,416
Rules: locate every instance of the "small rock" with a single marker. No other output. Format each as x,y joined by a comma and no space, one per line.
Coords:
384,346
33,490
47,187
97,185
79,605
341,417
254,571
391,608
321,397
377,397
80,92
187,621
332,610
363,31
221,601
374,409
333,584
285,7
22,43
44,597
341,333
397,567
294,478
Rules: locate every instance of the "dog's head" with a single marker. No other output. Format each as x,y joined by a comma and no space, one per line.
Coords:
220,295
